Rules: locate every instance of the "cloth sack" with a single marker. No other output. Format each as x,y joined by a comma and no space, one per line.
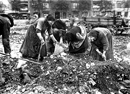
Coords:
58,48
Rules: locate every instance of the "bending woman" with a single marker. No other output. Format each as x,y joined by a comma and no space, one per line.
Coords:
77,39
59,31
101,44
35,37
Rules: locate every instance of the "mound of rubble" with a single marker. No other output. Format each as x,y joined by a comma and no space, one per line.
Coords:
66,74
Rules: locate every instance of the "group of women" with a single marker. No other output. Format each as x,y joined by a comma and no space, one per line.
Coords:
44,33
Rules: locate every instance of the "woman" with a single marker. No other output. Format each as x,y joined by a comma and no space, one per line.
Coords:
34,18
77,39
70,23
6,22
59,28
59,31
101,44
34,44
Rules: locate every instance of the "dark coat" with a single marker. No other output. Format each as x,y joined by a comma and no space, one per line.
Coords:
31,45
103,42
5,32
4,27
71,38
61,26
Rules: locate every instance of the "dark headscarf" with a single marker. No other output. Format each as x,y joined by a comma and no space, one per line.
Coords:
94,33
68,37
59,25
50,18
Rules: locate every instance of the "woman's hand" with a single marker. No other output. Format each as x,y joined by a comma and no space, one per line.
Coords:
55,42
66,50
99,52
54,39
104,55
42,41
40,37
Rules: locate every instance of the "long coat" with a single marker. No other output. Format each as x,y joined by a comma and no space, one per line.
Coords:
5,32
31,45
103,41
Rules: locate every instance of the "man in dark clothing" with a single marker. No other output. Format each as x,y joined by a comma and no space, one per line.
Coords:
6,22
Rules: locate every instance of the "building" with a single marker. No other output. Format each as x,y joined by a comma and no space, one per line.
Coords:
47,4
23,13
118,8
64,14
23,2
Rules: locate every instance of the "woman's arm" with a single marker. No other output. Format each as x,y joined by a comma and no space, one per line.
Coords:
50,32
105,43
53,38
39,28
79,36
40,36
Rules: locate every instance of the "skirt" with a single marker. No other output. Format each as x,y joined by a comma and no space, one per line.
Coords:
31,46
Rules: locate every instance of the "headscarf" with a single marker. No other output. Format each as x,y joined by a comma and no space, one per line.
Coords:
59,25
50,18
94,33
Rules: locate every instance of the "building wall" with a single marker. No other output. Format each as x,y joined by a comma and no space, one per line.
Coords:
120,10
63,14
117,6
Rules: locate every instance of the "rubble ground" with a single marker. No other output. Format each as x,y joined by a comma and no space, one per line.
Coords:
66,74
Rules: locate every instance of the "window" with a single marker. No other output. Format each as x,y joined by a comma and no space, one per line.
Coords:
118,13
46,5
126,14
119,5
64,14
74,6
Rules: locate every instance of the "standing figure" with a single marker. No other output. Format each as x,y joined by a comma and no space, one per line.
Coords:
77,39
6,21
35,42
101,44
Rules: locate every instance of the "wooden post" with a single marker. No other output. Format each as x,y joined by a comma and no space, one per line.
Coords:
114,18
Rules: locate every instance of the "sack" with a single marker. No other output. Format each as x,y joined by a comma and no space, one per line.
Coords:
58,48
